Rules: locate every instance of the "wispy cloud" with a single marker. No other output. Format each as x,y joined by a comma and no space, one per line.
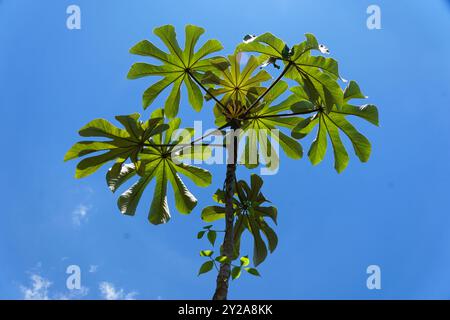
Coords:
79,215
38,290
109,292
74,294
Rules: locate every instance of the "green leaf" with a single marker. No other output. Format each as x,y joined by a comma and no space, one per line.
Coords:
159,208
146,48
129,200
260,249
168,36
306,46
199,176
301,94
321,84
304,127
270,212
123,144
253,271
333,121
172,103
234,85
328,65
263,125
103,128
209,47
317,73
154,90
193,33
213,213
352,91
239,228
178,66
292,148
250,216
83,148
184,199
270,234
206,267
206,253
200,234
256,183
367,112
236,273
341,158
245,261
156,162
360,143
194,94
331,124
319,146
212,235
303,106
266,44
118,174
140,70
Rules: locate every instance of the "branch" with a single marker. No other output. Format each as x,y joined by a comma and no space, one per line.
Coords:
181,144
286,69
284,114
202,137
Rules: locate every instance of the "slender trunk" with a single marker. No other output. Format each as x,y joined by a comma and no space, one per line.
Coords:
228,246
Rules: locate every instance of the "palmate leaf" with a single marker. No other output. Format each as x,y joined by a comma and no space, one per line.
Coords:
123,144
177,66
318,72
332,124
232,83
159,161
262,126
320,84
266,44
250,216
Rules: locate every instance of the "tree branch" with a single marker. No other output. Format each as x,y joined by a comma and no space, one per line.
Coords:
202,137
212,132
181,144
285,70
283,114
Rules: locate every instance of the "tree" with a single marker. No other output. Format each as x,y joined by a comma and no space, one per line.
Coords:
246,114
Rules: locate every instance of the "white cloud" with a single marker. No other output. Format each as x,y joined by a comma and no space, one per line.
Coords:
79,215
38,289
109,292
74,294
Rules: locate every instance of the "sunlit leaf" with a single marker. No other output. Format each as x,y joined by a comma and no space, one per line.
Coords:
178,66
206,267
124,144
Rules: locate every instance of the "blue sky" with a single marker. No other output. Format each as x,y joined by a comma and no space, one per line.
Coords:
393,211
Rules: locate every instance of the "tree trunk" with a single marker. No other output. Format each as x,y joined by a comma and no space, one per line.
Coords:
228,246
